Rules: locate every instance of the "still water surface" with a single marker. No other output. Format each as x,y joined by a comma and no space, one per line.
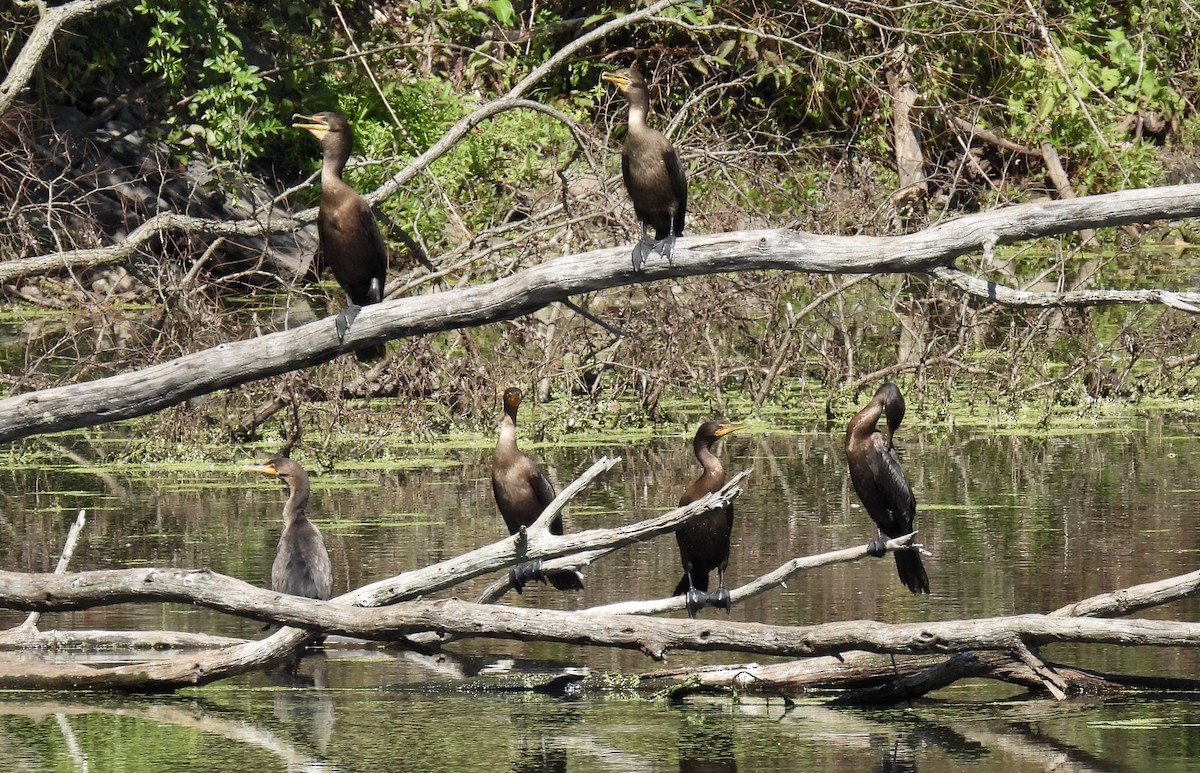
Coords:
1017,523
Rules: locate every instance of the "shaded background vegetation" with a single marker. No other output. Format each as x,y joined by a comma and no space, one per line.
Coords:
782,115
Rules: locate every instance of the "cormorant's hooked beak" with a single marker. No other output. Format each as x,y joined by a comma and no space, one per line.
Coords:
265,469
618,79
313,123
725,429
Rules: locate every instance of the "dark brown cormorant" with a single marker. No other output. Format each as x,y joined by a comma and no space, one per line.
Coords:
522,492
653,175
301,566
350,238
704,541
880,482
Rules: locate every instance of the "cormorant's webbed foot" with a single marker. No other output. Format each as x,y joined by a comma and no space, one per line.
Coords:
345,319
720,599
877,547
641,251
666,246
521,574
695,600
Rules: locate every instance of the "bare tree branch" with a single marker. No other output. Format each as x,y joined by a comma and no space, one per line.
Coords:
934,249
50,21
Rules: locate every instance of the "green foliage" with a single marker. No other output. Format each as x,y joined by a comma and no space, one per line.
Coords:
228,107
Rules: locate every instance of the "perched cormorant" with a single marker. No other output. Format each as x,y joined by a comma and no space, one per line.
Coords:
880,482
350,238
522,492
301,566
653,175
704,541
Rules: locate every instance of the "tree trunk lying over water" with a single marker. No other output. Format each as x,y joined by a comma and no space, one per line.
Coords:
991,642
931,251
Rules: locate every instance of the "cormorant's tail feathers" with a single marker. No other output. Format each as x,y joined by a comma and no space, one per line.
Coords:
567,579
912,571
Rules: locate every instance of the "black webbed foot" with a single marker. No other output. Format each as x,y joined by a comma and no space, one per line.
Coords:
522,574
666,246
695,600
641,251
877,547
721,600
345,319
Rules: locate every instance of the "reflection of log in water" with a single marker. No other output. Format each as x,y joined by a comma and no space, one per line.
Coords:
1015,745
193,715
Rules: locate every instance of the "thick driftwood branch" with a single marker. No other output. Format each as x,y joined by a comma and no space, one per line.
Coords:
653,636
462,619
18,639
49,23
160,386
881,681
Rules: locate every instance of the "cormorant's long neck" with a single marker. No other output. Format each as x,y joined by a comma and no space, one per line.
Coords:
337,153
297,503
506,443
865,420
703,448
639,108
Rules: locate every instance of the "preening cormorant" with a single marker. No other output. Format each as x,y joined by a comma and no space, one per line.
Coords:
704,541
301,566
653,175
880,481
350,240
522,492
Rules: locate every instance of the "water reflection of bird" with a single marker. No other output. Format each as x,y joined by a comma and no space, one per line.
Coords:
653,175
350,240
704,541
522,492
301,566
880,482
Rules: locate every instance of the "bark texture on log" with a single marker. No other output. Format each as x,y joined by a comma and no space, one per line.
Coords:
932,250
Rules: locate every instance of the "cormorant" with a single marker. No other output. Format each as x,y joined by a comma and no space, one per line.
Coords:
301,566
704,541
652,172
879,479
350,238
522,492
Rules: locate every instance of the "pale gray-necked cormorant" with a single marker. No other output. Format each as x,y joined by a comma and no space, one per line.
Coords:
880,481
301,566
653,175
350,240
704,541
522,492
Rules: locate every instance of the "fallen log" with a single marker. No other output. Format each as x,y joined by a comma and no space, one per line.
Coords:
881,680
931,251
